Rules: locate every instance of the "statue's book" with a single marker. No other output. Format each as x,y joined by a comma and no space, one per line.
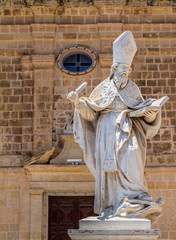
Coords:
155,106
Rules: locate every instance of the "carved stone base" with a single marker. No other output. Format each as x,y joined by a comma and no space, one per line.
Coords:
93,228
113,235
115,223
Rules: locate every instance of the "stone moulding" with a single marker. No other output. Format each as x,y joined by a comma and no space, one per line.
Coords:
56,169
113,234
38,61
64,3
114,223
83,168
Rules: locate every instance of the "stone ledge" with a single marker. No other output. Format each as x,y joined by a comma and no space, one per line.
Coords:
56,168
52,4
115,223
117,232
84,169
76,234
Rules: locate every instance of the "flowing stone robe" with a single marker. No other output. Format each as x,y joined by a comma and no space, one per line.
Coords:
113,144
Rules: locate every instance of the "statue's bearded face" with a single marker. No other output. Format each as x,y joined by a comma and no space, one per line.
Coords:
121,75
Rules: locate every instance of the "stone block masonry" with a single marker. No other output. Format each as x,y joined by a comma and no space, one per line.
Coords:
24,210
31,83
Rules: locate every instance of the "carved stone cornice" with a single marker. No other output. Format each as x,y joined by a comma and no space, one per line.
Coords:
91,3
36,191
43,61
43,30
38,61
76,169
56,169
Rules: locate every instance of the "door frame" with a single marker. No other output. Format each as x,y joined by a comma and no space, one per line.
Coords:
54,180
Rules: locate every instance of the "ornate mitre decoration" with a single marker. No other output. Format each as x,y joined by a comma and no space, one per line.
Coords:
124,48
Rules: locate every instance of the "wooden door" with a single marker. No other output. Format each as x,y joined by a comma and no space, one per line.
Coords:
65,212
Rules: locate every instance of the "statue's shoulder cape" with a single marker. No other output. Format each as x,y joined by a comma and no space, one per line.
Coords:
103,95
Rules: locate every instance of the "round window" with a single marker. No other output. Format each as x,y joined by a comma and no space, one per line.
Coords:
76,60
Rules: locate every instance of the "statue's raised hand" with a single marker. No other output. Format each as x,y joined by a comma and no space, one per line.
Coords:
74,97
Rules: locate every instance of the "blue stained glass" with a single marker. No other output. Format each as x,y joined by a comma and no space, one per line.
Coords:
71,69
71,59
70,64
77,62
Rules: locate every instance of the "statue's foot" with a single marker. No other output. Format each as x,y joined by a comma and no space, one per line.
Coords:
152,210
139,208
144,196
106,213
127,209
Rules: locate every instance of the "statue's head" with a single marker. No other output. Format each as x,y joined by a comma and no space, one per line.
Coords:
121,69
120,73
124,49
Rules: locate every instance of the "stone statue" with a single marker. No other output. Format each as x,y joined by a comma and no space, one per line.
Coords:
111,126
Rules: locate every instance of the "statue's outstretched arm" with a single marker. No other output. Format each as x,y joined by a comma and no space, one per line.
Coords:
84,110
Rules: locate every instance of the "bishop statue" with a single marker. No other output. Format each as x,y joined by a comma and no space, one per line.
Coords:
112,126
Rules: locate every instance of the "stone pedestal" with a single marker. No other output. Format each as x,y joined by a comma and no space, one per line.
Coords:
93,228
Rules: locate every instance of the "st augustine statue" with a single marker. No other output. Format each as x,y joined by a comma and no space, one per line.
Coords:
111,126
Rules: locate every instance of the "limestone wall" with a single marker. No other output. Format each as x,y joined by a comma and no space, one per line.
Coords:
33,100
14,204
34,90
24,197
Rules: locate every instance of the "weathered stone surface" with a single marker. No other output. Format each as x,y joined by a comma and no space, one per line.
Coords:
40,158
71,150
113,234
29,3
116,223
